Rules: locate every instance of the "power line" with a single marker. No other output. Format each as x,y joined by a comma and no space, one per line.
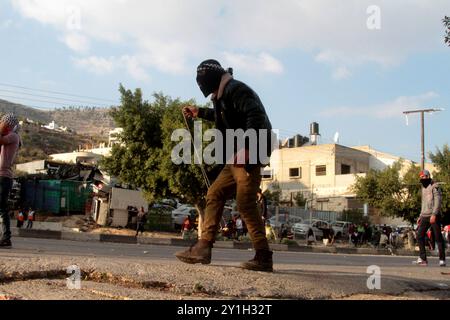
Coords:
55,98
35,100
57,92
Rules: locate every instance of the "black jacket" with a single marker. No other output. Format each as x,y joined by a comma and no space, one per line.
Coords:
237,106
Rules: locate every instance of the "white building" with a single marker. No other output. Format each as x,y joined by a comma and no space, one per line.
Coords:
114,136
51,126
324,174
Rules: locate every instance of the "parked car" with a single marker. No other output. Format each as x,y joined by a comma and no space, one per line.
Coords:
289,221
179,215
315,226
161,207
171,202
341,228
183,207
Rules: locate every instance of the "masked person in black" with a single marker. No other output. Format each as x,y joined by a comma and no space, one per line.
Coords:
430,217
236,106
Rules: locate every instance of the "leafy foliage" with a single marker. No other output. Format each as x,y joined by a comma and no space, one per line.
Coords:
144,157
391,193
441,160
400,196
446,22
273,194
300,200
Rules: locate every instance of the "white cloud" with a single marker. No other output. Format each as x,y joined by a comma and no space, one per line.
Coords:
135,68
174,35
390,109
261,63
77,42
341,73
97,65
101,66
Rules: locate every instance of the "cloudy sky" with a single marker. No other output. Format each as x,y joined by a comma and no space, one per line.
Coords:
353,65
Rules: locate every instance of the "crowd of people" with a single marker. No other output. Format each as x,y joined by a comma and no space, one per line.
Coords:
235,228
395,237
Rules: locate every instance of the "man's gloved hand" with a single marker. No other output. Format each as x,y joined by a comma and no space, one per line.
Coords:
190,112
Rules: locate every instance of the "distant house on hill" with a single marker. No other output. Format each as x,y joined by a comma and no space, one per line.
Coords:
53,126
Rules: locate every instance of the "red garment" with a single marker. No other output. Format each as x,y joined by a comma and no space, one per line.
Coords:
187,225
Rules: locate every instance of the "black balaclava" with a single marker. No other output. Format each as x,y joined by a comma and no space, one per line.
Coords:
425,182
209,75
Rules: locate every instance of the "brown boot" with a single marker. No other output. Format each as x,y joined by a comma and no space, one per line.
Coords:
261,262
198,253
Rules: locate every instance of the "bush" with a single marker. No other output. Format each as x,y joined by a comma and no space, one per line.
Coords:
289,242
159,220
220,237
190,235
355,216
245,239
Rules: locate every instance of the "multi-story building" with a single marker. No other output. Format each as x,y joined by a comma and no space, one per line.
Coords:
324,174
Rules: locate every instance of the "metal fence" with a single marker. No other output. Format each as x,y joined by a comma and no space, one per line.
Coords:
304,214
56,196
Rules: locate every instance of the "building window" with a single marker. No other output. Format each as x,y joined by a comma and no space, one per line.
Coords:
345,169
267,175
295,172
321,170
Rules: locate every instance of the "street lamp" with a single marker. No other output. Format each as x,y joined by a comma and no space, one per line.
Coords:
422,120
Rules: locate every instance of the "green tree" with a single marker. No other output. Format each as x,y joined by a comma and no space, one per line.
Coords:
273,193
389,192
143,159
300,200
446,22
185,181
137,160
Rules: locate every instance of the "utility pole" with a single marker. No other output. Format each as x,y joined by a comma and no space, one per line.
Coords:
422,126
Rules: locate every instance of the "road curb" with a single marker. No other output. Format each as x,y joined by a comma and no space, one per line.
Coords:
38,234
82,237
92,237
117,239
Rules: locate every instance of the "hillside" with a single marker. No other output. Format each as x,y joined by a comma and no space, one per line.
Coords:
24,112
88,121
84,121
39,143
89,125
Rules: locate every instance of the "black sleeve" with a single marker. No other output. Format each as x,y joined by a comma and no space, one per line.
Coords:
207,114
249,105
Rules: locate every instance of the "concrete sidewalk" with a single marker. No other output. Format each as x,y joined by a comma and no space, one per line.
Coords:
89,237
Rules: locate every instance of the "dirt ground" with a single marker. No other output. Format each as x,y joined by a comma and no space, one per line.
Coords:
30,276
128,232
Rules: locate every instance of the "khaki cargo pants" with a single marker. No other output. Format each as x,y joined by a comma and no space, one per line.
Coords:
235,181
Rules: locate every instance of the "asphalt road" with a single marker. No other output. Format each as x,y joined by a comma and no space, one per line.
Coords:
123,251
132,271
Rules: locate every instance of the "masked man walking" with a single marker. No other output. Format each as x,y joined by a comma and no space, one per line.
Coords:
430,217
236,106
